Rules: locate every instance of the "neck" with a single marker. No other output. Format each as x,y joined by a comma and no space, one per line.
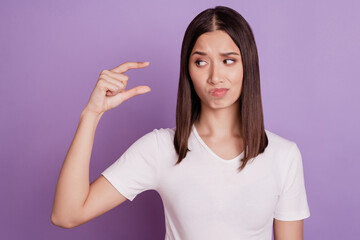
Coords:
219,123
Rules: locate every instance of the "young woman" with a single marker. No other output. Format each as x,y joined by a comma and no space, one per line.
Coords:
220,174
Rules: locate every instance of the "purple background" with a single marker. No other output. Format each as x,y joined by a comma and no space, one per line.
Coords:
52,53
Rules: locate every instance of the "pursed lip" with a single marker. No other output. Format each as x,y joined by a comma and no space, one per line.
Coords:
217,89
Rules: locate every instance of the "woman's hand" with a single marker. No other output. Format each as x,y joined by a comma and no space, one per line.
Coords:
110,91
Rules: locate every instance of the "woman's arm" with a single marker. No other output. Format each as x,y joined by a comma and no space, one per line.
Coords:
76,201
70,206
288,230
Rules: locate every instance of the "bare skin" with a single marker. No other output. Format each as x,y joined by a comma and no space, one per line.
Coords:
218,124
76,201
288,230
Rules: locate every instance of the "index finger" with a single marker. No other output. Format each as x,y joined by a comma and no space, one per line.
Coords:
129,65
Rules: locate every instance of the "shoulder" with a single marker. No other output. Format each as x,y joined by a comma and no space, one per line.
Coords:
163,133
152,139
281,148
284,154
279,143
160,136
154,143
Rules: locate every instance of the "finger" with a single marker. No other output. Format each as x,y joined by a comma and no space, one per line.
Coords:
119,98
120,84
129,65
105,86
134,91
117,76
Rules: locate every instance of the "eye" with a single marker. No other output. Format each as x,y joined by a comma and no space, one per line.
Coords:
230,60
199,61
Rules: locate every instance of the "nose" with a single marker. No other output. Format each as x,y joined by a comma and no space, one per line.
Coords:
215,74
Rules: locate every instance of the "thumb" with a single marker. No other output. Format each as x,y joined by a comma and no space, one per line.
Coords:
125,95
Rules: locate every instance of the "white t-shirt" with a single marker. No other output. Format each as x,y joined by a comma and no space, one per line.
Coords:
204,196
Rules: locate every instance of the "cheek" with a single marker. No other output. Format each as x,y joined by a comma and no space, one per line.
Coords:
193,72
198,88
196,76
198,83
237,81
237,78
237,75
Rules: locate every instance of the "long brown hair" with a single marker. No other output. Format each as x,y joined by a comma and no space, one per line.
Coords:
188,103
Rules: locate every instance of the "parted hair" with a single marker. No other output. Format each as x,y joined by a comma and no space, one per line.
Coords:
188,106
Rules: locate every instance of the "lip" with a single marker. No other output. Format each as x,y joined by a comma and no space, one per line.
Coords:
218,92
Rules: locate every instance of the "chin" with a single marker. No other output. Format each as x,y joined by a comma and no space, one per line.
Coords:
218,105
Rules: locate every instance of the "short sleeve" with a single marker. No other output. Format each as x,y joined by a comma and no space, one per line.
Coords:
137,168
292,203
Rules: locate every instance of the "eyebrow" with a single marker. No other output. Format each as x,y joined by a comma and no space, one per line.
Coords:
222,54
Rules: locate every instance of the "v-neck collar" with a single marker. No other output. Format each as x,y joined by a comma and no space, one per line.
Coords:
235,159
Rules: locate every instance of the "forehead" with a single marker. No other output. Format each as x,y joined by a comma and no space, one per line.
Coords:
216,41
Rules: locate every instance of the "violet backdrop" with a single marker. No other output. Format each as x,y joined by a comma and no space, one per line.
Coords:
52,53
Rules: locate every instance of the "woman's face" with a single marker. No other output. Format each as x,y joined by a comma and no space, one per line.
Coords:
215,62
